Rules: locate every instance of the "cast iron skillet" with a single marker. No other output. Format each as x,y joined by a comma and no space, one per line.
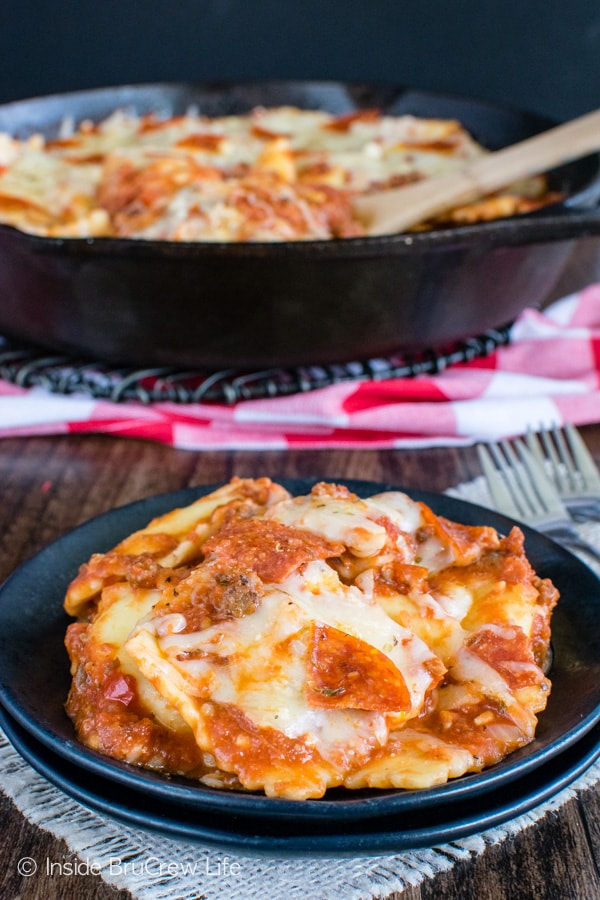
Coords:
213,306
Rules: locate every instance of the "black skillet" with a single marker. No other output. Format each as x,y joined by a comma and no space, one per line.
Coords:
216,305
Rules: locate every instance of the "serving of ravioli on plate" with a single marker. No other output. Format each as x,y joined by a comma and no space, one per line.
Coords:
293,644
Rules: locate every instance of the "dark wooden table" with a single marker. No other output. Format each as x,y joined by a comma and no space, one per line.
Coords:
50,484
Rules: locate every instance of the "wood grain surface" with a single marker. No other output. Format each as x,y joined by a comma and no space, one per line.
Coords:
51,484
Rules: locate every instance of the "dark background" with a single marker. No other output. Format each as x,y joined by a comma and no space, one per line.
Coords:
539,55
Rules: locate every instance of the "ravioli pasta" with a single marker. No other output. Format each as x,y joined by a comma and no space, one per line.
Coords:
293,644
272,174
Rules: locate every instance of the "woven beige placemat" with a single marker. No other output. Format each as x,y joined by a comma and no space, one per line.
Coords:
152,867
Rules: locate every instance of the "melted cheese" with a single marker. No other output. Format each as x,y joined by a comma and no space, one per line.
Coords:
269,175
321,595
258,664
122,609
311,642
343,520
173,539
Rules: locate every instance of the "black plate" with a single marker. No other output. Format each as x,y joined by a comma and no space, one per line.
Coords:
420,828
33,623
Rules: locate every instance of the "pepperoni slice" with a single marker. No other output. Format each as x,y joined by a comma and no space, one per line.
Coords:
347,673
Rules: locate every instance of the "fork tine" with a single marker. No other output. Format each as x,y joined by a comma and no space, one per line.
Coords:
512,469
542,485
544,451
500,493
532,439
582,456
522,490
563,471
565,456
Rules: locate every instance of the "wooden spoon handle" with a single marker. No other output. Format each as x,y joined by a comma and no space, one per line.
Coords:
386,212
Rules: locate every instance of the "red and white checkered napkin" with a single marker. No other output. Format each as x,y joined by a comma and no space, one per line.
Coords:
548,373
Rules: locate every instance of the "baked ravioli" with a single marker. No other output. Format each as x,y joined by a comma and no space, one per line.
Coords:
293,644
272,174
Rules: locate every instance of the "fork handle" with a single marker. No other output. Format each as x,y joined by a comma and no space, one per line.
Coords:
583,510
566,537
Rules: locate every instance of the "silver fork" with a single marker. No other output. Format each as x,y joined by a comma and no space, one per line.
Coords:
521,489
563,454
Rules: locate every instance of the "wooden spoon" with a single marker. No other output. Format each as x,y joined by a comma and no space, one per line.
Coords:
386,212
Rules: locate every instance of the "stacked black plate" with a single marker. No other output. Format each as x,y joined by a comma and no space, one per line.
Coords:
34,680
